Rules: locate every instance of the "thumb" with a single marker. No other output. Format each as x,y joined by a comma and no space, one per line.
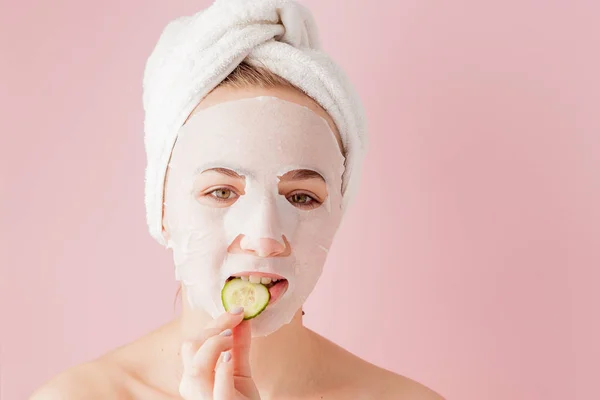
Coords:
242,338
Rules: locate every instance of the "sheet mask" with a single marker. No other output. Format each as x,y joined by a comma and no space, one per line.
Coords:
260,138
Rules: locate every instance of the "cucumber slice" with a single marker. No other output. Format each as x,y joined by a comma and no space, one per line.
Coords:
254,297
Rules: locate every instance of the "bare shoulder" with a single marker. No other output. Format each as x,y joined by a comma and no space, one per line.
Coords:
368,381
118,374
92,380
372,382
393,387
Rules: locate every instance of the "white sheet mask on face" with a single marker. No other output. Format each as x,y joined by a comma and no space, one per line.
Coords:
261,139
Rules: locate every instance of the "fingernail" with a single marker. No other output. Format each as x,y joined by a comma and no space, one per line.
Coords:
237,310
227,332
227,357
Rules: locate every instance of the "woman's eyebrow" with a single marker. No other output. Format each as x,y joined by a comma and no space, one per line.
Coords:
300,175
225,171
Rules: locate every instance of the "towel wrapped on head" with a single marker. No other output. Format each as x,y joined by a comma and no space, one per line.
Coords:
195,53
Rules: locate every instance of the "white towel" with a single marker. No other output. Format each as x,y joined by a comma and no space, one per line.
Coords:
195,53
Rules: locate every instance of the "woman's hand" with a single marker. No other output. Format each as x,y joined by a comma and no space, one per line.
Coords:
211,374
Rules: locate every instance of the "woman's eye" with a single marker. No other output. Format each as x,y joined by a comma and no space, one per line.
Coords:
223,194
303,200
217,196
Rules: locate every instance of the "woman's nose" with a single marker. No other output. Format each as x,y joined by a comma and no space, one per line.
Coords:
264,247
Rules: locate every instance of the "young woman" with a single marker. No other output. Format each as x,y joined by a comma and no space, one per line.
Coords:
254,191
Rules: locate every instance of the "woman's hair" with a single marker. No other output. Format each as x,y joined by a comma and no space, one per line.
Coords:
246,75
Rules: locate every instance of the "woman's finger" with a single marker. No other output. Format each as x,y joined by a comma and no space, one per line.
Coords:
224,385
205,359
242,338
201,354
228,320
190,386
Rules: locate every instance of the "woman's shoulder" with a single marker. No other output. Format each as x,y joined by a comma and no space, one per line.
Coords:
374,382
369,381
118,374
396,386
92,380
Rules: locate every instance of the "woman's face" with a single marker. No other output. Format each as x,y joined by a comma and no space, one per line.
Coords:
254,188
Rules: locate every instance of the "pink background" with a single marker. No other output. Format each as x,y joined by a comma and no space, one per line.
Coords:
469,262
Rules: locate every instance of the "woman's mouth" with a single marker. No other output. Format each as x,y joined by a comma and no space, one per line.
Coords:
276,284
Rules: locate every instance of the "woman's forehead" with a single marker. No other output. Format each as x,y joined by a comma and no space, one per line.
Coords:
258,134
224,94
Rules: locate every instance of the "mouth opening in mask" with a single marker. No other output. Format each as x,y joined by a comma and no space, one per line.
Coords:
276,284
